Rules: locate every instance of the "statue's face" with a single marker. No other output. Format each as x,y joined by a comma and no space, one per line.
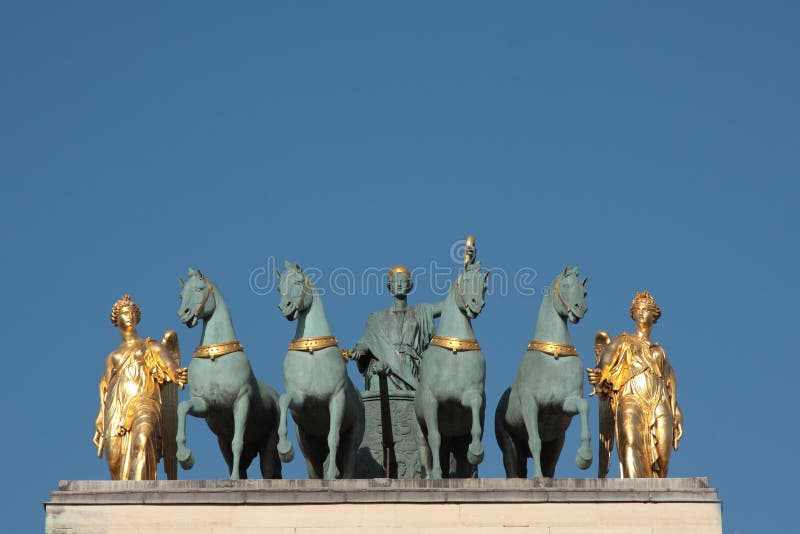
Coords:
127,318
400,285
643,314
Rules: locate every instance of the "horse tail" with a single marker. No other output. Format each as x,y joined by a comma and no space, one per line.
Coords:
513,461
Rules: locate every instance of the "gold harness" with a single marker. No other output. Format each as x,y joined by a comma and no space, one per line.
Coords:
311,344
552,348
217,349
455,344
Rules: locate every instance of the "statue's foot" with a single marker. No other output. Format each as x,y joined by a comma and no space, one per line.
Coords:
584,457
185,458
285,450
475,453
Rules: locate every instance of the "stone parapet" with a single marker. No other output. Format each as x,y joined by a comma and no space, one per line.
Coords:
379,505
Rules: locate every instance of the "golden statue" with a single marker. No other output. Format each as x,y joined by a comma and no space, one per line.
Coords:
130,426
638,403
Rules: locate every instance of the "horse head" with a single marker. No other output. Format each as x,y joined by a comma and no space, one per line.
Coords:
197,298
470,288
568,294
296,291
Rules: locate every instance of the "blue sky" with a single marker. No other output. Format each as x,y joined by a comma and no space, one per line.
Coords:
655,146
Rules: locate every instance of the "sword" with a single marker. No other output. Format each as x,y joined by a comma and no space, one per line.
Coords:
387,435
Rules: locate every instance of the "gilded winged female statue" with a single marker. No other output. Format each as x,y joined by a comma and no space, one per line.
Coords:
638,397
135,425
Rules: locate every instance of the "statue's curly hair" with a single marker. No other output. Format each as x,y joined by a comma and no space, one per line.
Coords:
648,300
124,302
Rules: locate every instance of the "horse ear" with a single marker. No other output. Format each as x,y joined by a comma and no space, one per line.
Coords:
566,270
297,266
278,274
576,271
286,264
200,275
191,271
183,283
585,281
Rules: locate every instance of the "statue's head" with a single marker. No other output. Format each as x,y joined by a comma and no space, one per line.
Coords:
197,300
296,291
125,313
399,282
644,309
569,293
470,289
470,250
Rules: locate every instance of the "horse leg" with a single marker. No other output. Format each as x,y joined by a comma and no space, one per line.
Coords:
473,400
462,467
268,456
347,455
425,456
571,406
241,408
227,452
430,412
348,449
530,414
511,458
197,407
336,410
285,449
551,451
313,450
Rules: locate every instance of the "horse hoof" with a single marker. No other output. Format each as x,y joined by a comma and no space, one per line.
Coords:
185,458
475,454
582,460
285,451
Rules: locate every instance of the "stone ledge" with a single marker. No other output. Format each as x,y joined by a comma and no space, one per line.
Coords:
486,490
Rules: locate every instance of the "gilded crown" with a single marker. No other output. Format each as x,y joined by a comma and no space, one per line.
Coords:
399,269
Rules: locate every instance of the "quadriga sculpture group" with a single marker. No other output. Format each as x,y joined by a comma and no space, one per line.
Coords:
425,377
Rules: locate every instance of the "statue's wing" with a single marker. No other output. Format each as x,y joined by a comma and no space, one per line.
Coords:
169,410
606,437
601,341
170,340
606,421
